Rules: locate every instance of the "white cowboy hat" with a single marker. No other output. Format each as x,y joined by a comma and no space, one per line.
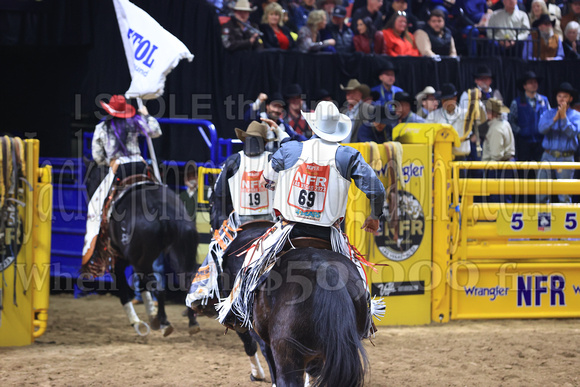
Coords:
244,5
328,123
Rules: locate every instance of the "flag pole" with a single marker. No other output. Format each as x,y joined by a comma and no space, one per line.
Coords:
151,149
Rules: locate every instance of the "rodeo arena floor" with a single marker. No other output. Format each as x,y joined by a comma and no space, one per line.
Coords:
89,343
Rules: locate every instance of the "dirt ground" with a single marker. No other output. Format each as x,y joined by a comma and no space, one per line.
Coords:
89,343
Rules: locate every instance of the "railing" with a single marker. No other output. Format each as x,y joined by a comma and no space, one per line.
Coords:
480,43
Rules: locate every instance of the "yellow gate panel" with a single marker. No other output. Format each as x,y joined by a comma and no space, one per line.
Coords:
402,275
515,290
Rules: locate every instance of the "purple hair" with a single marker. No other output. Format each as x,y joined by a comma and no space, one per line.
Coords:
121,127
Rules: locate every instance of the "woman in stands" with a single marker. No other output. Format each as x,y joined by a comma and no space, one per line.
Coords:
276,35
571,41
540,8
368,40
309,35
397,37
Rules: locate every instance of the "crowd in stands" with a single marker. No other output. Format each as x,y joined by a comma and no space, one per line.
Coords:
534,30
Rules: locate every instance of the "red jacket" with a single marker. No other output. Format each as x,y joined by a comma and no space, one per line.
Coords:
397,46
363,44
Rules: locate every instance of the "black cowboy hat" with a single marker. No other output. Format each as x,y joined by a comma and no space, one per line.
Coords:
526,77
567,88
275,97
293,90
379,114
386,67
482,71
448,90
321,94
403,96
543,19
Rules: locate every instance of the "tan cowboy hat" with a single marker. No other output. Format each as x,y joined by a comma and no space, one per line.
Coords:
328,123
244,5
255,129
496,105
353,84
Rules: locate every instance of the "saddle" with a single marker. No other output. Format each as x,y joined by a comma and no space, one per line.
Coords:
257,224
106,253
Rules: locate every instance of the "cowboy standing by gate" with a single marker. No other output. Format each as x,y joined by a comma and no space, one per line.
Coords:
311,181
115,144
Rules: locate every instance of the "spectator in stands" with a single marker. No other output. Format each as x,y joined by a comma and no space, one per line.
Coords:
398,39
505,20
525,112
387,88
328,6
378,128
543,44
293,95
339,31
572,15
476,11
401,6
189,196
561,128
372,10
274,108
355,108
403,107
435,40
368,40
299,13
483,79
238,34
427,101
454,115
571,42
309,35
276,34
540,8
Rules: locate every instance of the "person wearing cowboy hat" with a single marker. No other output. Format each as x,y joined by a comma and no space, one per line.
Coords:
427,101
561,128
115,143
355,108
386,89
525,112
499,145
238,198
238,34
403,103
311,180
483,78
543,44
243,165
293,95
378,128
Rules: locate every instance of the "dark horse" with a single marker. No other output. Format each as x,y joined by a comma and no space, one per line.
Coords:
148,220
232,263
311,313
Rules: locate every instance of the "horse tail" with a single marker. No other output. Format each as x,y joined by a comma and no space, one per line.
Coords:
335,319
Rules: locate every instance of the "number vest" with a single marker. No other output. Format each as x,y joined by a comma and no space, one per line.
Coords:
312,191
249,197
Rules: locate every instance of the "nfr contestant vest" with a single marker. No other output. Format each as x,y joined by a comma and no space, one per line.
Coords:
312,191
249,197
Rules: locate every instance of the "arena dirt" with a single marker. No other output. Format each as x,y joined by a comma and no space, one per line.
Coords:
89,343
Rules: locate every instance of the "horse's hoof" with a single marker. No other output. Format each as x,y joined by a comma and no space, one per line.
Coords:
194,329
255,379
154,323
142,325
167,330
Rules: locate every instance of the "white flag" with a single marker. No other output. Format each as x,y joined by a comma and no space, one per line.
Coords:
151,51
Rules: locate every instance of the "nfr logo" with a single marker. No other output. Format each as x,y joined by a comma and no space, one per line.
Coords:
536,286
144,49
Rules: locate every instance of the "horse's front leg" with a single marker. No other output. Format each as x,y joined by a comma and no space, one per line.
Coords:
120,281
